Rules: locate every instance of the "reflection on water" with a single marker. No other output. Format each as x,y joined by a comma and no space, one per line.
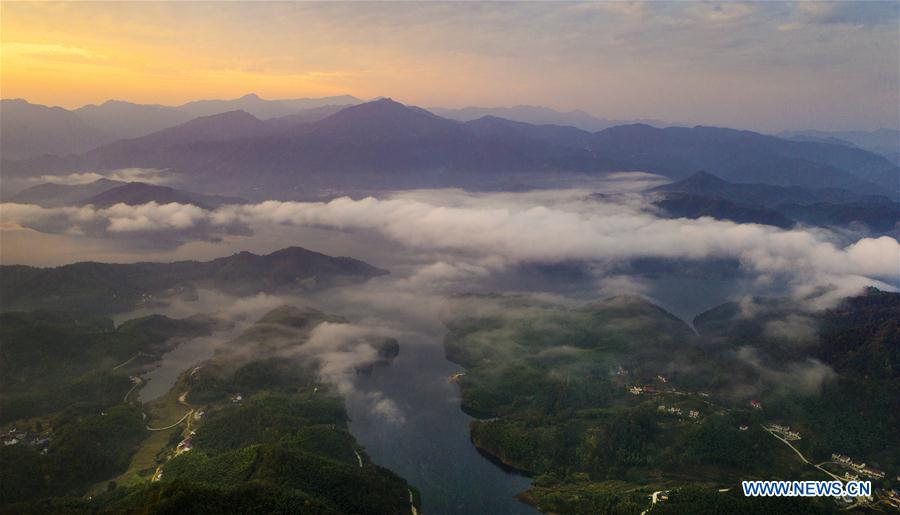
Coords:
431,447
687,297
159,380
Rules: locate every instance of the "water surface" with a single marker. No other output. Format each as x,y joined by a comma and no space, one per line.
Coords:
430,448
160,380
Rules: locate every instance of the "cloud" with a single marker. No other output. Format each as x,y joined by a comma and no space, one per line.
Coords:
487,231
793,328
450,241
151,219
383,407
336,350
849,13
246,309
544,228
148,175
720,13
807,376
436,276
152,216
622,285
52,51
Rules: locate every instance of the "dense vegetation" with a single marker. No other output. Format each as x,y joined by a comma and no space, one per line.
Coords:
104,288
50,360
85,448
64,377
549,384
855,412
299,443
283,446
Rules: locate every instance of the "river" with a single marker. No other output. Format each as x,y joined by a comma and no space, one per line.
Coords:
430,448
159,380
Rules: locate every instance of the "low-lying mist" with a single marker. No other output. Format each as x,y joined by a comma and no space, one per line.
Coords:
568,246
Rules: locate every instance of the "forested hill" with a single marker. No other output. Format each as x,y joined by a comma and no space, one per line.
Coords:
105,288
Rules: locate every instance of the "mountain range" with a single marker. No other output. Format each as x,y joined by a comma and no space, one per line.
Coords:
30,130
539,115
386,145
50,194
885,142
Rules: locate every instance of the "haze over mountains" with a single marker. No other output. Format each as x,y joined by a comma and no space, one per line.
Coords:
28,130
703,194
885,142
31,130
386,145
539,115
34,129
183,189
615,257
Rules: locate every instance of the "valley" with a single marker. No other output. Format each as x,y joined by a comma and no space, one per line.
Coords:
450,258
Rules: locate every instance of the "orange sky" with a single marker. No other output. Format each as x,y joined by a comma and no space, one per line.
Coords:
760,65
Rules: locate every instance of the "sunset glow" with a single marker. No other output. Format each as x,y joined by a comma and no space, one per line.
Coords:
764,66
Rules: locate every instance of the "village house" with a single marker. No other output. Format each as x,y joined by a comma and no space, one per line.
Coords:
184,446
872,472
860,468
840,458
785,432
669,409
893,498
14,437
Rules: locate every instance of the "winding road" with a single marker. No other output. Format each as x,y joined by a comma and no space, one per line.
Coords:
136,384
802,457
186,415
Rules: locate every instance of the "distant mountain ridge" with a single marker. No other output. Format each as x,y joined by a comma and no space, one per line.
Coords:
392,143
749,157
137,193
538,115
30,130
885,142
57,195
386,145
264,109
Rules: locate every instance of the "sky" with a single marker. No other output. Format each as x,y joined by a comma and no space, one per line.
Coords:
765,66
